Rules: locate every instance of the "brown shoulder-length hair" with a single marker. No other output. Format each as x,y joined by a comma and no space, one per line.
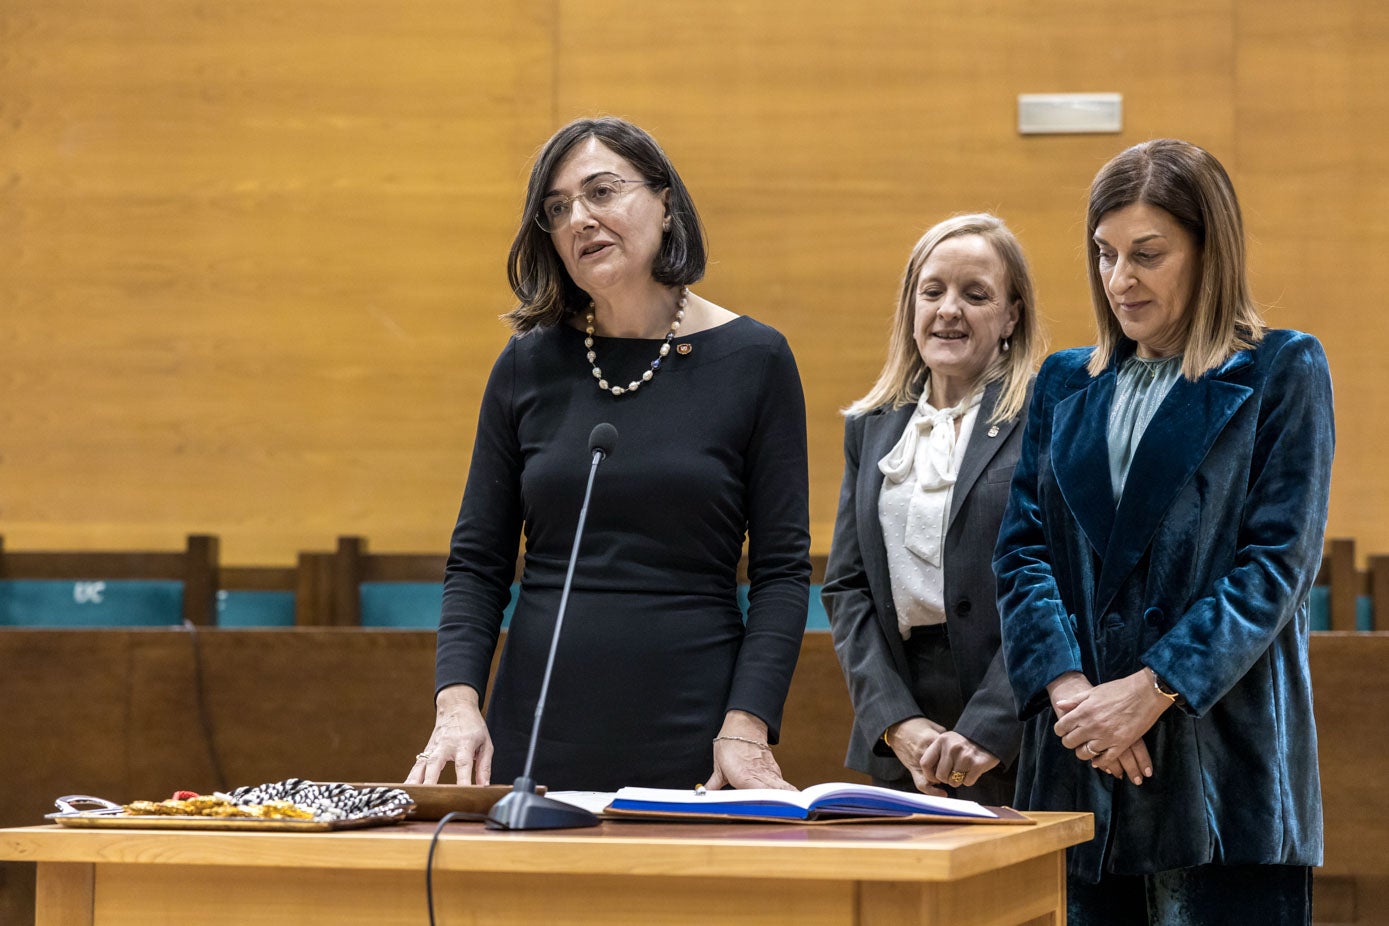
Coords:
545,291
1188,183
904,373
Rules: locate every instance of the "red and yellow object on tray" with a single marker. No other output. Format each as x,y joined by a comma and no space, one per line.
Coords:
290,804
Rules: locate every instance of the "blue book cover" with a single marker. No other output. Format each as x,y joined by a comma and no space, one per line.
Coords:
819,803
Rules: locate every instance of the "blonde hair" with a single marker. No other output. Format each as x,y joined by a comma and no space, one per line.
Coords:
904,374
1189,184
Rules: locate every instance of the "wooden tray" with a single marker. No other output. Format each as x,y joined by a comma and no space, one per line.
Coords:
433,801
84,811
121,821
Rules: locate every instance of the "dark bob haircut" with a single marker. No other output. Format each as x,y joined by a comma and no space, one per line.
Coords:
545,291
1188,183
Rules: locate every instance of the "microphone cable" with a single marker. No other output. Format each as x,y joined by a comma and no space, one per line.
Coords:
433,842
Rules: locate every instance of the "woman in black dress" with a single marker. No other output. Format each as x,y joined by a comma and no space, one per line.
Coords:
659,681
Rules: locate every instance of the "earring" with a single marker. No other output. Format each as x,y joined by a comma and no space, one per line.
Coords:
1004,346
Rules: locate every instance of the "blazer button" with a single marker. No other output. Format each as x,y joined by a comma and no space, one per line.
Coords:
962,607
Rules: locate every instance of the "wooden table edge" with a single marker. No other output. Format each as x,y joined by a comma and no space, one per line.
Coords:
889,852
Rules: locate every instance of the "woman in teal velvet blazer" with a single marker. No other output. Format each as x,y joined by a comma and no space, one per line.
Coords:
1154,564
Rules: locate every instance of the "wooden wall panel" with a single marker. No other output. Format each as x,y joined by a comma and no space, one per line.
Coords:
253,264
254,254
1313,142
821,140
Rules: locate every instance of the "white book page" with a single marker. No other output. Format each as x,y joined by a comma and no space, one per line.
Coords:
592,801
922,803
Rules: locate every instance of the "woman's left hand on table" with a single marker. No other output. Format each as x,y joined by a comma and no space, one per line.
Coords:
742,757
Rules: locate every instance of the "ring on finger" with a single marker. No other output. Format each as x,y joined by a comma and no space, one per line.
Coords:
957,778
1091,749
423,755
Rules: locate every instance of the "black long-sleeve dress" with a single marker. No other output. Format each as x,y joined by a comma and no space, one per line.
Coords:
654,648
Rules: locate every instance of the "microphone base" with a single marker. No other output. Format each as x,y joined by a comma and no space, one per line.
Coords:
523,809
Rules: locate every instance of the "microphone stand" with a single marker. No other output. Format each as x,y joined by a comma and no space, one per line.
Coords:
523,808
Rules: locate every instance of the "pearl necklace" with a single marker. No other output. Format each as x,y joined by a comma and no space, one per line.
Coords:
655,364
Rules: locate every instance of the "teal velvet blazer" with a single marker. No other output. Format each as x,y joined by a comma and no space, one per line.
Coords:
1201,572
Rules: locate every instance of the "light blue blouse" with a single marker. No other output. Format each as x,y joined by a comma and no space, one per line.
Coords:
1141,387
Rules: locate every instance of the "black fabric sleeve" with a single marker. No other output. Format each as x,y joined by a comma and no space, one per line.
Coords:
482,554
777,481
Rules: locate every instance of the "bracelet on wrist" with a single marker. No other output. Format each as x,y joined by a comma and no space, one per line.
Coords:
1162,688
742,739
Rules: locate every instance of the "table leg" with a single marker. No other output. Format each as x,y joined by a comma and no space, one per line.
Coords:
1030,893
65,894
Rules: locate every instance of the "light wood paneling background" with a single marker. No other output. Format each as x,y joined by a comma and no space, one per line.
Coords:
252,255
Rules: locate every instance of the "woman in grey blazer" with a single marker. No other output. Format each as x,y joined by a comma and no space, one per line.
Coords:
928,456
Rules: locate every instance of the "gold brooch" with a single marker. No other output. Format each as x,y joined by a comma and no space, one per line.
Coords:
683,348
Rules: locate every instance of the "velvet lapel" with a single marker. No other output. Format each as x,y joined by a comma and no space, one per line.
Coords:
981,449
1174,444
1080,454
880,432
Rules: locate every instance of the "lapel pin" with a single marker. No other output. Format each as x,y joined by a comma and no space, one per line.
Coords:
683,348
993,431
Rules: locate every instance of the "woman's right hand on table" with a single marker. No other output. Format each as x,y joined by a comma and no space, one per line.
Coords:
460,736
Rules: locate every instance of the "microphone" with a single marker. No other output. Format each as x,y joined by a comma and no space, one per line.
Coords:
602,440
523,808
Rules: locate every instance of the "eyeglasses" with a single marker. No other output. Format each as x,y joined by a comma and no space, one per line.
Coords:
600,195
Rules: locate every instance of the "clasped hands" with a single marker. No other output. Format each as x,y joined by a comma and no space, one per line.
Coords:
936,756
1104,724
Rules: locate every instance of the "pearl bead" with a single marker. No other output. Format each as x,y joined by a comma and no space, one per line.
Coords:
635,384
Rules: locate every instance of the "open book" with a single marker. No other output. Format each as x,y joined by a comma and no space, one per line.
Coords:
823,803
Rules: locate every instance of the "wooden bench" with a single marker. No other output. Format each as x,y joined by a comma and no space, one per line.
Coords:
1347,585
195,566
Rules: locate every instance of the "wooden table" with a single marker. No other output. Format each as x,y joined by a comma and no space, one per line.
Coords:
619,872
